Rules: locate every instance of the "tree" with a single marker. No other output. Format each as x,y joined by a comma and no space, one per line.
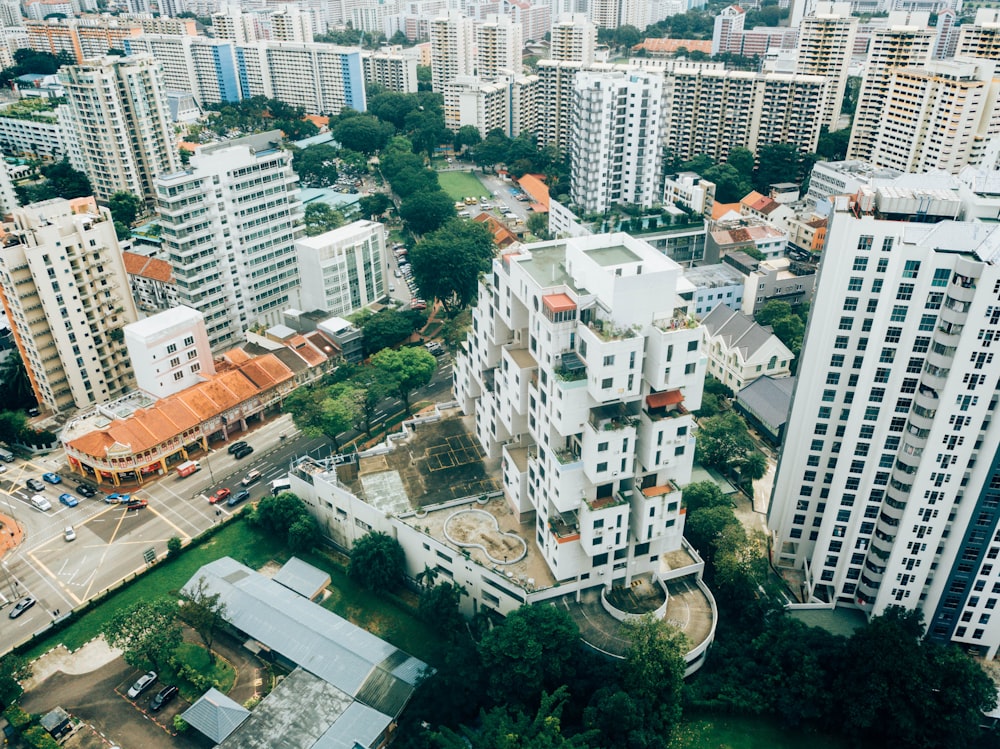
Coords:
304,534
125,207
374,205
703,527
723,441
320,218
532,650
777,162
369,391
742,160
424,212
653,674
378,562
730,185
405,370
439,607
13,670
426,129
833,146
385,328
278,513
315,165
538,224
204,612
362,133
323,412
466,137
146,632
15,386
505,728
492,150
392,107
772,311
754,466
447,263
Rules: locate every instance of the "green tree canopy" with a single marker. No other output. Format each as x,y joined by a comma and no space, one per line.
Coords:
492,150
374,205
653,674
447,262
378,562
392,107
424,212
777,162
742,160
204,612
323,412
320,218
466,137
146,632
385,328
723,441
316,165
730,185
363,133
405,370
14,669
532,650
125,207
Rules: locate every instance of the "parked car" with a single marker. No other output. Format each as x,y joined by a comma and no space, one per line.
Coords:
220,495
69,534
252,478
21,606
242,453
397,273
236,447
51,478
41,503
143,683
162,697
34,485
85,490
241,496
69,500
3,468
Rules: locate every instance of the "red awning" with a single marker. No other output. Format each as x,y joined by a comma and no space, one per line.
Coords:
558,302
667,398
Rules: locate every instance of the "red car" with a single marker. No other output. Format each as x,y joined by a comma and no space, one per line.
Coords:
219,496
136,504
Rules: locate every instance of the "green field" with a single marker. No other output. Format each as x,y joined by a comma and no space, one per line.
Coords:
461,185
732,732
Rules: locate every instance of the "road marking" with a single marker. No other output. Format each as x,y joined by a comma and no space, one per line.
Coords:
107,548
165,520
49,577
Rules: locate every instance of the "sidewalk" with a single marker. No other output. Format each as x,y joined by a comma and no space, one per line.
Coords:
90,657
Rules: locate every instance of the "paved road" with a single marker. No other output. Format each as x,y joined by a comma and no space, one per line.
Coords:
111,540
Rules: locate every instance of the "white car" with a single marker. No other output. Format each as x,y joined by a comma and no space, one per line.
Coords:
41,503
3,469
69,534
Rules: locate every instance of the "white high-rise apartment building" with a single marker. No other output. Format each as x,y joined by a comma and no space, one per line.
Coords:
616,149
229,225
499,42
320,78
711,111
452,49
605,13
727,28
888,486
474,101
582,371
391,70
206,68
982,38
905,42
826,41
573,39
64,286
939,117
343,270
169,351
121,123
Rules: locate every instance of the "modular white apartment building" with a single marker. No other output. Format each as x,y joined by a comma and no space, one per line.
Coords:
888,486
582,369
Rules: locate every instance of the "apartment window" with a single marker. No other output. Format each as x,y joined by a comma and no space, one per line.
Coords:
172,348
871,413
824,412
892,334
178,375
609,360
840,342
602,467
877,285
189,341
905,292
175,362
865,242
846,323
854,284
860,264
833,378
866,325
602,447
877,395
934,300
606,383
941,277
898,313
883,263
837,360
887,244
887,355
872,306
911,268
196,366
850,304
829,395
927,322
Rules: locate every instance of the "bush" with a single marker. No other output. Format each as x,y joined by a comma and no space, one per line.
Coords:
251,703
174,546
180,725
16,717
38,737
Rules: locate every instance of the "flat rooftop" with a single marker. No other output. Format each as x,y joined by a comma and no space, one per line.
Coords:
615,255
547,266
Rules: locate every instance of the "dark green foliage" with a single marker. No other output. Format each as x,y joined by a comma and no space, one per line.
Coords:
146,632
320,218
60,181
386,328
439,606
424,212
15,387
13,670
723,442
447,263
377,562
259,114
174,546
287,517
362,133
28,61
833,146
375,204
404,370
316,165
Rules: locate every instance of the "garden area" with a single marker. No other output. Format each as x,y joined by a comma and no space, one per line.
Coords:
461,185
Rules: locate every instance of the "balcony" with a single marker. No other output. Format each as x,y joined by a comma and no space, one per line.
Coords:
679,321
666,405
565,526
614,417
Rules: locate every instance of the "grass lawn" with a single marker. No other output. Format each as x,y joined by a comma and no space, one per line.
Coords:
730,732
461,185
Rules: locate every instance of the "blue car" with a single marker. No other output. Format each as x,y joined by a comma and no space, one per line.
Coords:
69,500
116,499
51,478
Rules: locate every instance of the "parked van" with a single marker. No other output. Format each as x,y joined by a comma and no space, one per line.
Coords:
6,455
280,485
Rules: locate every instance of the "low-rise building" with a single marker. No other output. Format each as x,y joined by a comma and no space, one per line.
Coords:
169,351
690,190
739,350
152,282
750,233
714,285
781,279
30,128
764,403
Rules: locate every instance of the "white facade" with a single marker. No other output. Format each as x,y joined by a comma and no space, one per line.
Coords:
65,289
499,42
452,49
982,38
714,285
887,488
343,270
939,117
118,110
741,351
391,70
907,41
169,351
615,144
229,225
206,68
826,42
573,39
485,105
40,137
585,397
690,190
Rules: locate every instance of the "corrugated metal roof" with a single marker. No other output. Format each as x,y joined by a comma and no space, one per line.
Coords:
318,640
359,725
215,715
769,399
302,577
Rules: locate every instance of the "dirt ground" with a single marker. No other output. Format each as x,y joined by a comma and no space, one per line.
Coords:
97,697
